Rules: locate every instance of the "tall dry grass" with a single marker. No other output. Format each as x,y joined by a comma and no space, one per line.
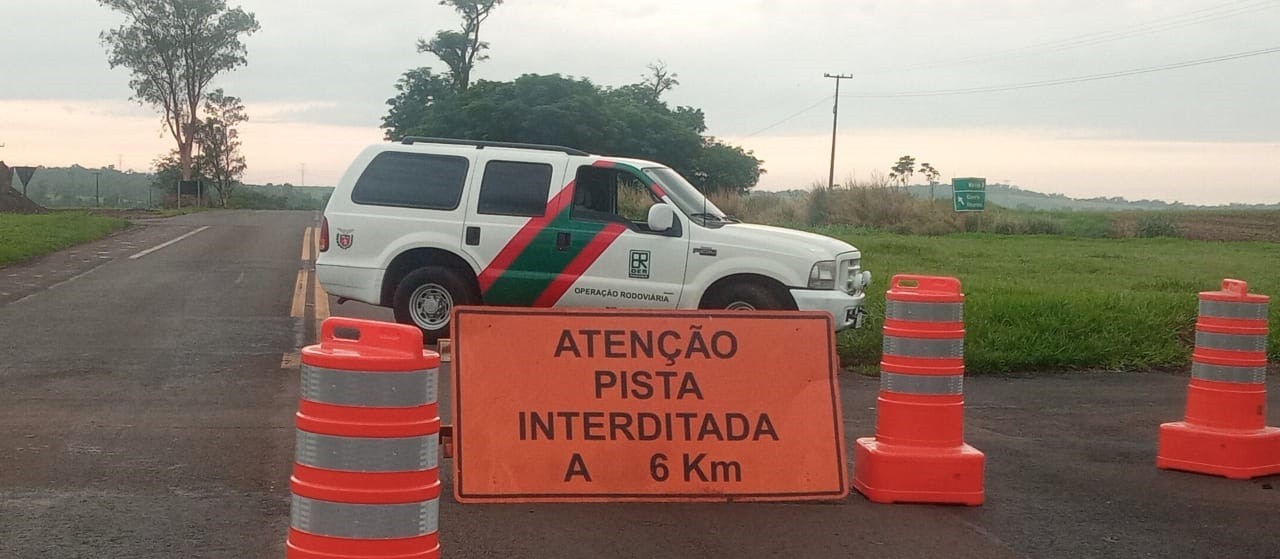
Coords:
869,205
882,207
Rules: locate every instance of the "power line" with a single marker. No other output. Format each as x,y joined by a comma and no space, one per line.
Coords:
793,115
1065,81
1024,85
1185,19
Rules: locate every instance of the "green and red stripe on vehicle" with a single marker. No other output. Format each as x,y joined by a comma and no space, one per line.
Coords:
529,271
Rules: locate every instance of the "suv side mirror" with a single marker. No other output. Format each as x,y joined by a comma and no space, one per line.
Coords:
661,217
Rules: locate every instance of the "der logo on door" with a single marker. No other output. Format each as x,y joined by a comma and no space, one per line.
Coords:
639,264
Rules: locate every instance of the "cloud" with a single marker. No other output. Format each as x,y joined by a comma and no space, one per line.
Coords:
286,111
101,133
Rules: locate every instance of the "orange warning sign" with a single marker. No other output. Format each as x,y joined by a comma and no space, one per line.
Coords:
600,405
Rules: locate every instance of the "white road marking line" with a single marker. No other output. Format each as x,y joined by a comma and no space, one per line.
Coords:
74,278
61,283
167,243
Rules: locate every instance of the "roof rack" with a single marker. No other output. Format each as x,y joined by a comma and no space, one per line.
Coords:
481,144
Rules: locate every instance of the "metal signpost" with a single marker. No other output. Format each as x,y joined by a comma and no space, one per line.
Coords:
969,194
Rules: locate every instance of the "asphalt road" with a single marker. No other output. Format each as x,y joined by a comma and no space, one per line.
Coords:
143,410
146,411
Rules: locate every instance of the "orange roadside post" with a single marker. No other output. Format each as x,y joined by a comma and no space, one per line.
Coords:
1225,430
366,478
918,454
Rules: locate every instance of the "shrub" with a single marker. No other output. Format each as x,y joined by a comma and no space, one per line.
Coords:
1157,225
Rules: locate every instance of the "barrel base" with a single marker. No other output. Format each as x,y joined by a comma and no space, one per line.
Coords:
294,552
302,545
1233,454
897,474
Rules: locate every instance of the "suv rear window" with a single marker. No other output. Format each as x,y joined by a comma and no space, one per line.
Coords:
514,188
412,180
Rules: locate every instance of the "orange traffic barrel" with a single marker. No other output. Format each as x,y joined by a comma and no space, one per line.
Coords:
366,480
918,454
1224,432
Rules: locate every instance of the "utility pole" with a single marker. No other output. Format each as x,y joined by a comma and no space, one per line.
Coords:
302,181
835,119
97,196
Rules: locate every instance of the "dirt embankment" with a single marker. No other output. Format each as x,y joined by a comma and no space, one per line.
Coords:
12,201
1204,225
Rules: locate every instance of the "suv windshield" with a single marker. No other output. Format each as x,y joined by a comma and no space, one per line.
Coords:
691,202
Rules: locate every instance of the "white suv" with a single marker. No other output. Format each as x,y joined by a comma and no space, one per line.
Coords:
428,224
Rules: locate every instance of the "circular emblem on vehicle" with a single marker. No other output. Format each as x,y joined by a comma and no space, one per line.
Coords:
345,238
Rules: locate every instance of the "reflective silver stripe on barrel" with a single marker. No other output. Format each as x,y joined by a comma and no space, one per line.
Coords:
1225,373
922,384
924,347
366,522
924,312
348,388
1228,309
1231,342
366,454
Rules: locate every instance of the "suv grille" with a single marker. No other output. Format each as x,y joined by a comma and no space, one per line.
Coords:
848,270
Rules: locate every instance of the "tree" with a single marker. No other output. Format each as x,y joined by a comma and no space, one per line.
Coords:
902,170
727,168
659,80
461,50
173,50
419,90
931,175
553,109
220,158
167,171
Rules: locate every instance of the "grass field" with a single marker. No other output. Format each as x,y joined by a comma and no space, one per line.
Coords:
1038,302
23,237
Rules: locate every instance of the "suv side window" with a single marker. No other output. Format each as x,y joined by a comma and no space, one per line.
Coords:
606,194
412,180
514,188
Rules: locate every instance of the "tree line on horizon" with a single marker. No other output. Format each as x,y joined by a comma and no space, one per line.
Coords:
77,186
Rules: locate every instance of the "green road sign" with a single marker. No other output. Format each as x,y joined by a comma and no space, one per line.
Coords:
969,194
970,201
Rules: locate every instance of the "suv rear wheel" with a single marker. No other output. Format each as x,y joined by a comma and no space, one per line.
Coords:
427,296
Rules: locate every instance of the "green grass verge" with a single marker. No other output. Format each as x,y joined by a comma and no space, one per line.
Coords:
23,237
1038,302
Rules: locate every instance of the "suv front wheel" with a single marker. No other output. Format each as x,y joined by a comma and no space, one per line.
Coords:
426,298
747,296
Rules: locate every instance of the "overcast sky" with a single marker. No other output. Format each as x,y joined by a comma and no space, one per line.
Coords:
320,71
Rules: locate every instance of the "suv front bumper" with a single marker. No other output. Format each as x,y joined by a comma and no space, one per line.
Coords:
845,309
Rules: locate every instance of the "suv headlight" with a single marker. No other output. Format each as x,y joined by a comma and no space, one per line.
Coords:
852,279
823,275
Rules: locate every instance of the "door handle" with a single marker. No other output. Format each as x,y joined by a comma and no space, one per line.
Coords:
473,236
562,240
